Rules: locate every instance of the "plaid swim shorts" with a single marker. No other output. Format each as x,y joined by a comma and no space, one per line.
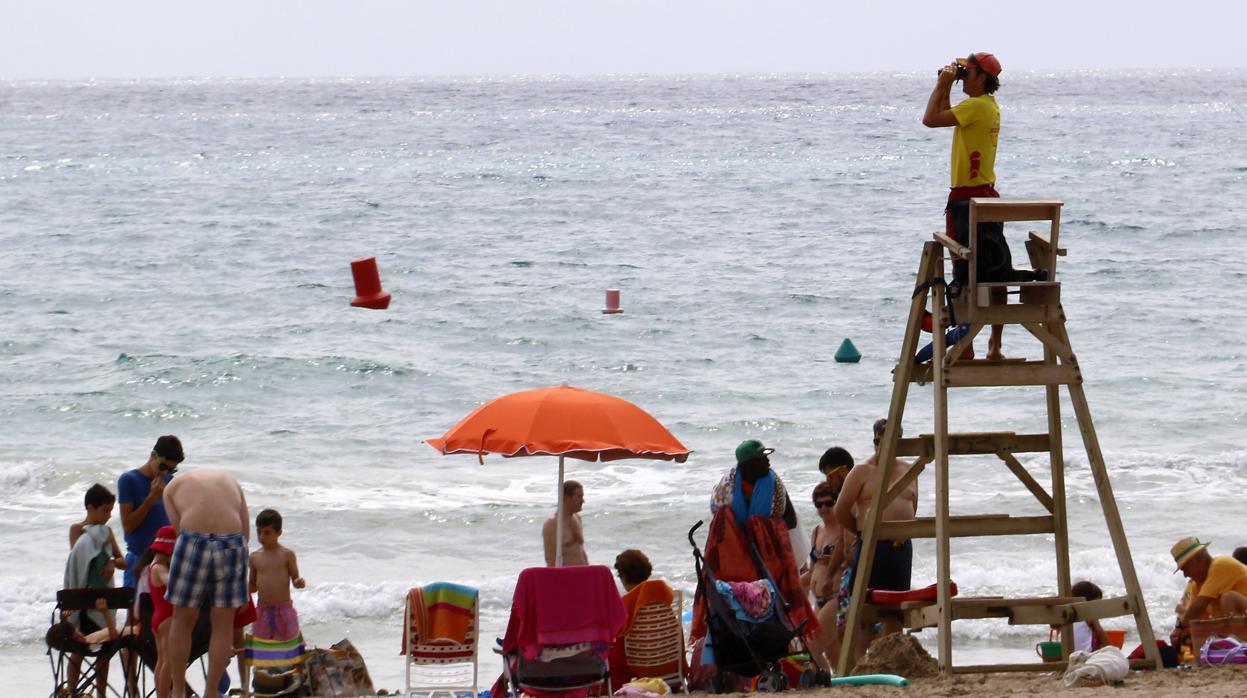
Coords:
211,566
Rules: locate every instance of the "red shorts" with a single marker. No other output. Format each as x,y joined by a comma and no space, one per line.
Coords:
245,615
959,193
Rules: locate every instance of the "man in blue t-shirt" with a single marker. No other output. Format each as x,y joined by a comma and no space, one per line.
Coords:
140,493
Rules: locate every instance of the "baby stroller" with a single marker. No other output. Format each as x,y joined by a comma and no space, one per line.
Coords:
744,647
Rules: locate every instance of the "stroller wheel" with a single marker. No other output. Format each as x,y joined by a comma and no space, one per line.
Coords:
770,682
823,678
719,683
809,679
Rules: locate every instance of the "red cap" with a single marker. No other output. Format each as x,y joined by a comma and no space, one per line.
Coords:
987,62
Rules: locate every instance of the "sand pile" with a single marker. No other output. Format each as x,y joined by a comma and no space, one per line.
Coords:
899,654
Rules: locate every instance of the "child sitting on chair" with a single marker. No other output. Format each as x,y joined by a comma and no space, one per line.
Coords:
273,569
93,558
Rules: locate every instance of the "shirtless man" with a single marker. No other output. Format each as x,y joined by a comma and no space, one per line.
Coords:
573,529
209,510
893,559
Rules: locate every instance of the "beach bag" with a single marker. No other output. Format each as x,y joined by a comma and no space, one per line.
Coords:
1225,626
1106,666
1223,650
338,672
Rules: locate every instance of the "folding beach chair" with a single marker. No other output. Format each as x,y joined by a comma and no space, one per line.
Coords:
563,623
440,639
64,643
654,643
145,645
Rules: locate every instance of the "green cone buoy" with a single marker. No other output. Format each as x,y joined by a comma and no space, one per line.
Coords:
847,353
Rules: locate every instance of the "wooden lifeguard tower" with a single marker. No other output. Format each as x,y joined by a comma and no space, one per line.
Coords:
1038,310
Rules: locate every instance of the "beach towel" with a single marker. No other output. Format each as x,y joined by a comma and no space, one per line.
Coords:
1107,666
260,652
767,496
441,613
752,602
727,555
563,606
651,591
83,568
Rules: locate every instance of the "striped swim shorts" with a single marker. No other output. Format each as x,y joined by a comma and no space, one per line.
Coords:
208,566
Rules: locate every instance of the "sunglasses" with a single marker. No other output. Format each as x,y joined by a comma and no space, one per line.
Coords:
822,503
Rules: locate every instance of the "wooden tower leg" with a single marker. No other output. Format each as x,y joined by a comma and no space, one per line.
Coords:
943,555
1056,459
1112,517
930,266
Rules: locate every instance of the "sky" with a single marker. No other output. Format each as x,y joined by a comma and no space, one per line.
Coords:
74,39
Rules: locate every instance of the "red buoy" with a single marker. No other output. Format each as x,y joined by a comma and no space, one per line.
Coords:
368,293
612,302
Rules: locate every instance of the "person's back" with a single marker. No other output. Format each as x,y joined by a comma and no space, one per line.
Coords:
206,501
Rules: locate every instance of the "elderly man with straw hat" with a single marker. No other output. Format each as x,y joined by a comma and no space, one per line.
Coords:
1220,583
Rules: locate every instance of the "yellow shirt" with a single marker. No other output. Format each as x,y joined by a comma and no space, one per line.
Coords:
1224,574
974,141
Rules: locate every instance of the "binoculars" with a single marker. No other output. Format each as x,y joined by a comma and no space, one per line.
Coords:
961,69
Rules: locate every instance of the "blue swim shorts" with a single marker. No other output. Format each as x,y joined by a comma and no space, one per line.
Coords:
210,566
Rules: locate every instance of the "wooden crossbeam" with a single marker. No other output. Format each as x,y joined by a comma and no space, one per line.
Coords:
969,443
991,210
1022,474
982,374
967,526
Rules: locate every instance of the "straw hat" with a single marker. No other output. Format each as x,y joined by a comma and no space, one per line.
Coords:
1186,549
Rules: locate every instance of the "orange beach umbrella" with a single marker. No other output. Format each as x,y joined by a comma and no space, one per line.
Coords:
561,421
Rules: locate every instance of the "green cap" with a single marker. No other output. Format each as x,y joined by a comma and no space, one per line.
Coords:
750,449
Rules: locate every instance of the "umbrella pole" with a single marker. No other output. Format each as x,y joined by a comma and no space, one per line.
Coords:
558,521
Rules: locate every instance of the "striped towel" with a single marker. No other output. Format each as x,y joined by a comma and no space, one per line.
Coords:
441,613
275,653
450,611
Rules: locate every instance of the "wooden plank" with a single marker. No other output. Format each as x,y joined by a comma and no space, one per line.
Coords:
993,210
1056,667
1044,242
899,486
1100,608
968,527
1056,466
1022,474
1043,667
929,266
1050,341
943,555
1112,517
969,443
984,374
954,248
1019,284
1016,314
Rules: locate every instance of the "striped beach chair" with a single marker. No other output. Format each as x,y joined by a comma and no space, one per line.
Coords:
440,632
654,643
259,653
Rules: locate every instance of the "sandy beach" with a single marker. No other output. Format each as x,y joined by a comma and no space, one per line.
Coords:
1207,682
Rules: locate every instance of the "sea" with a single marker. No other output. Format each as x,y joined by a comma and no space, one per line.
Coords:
176,260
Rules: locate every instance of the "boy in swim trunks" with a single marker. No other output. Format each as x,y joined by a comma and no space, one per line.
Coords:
274,568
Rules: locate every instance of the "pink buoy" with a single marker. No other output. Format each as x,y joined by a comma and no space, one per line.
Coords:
368,293
612,302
